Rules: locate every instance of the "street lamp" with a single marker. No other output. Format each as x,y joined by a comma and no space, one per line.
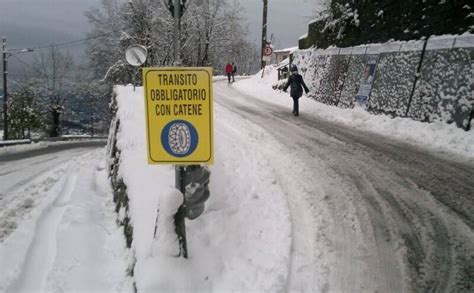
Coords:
5,55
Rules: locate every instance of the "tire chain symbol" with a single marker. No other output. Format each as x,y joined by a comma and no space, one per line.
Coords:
179,138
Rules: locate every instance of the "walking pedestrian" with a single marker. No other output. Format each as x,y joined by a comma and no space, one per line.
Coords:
234,70
228,71
297,84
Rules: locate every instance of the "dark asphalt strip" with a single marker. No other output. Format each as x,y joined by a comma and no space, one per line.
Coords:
50,149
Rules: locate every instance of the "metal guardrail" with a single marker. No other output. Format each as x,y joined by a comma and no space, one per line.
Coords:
5,143
8,143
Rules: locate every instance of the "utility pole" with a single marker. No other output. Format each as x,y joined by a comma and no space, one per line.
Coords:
264,31
5,55
5,90
177,32
205,60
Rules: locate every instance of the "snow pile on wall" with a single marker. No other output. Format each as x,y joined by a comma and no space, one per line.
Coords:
437,136
446,88
440,91
241,241
355,69
394,82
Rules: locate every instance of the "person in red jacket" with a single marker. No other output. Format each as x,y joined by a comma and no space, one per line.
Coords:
228,70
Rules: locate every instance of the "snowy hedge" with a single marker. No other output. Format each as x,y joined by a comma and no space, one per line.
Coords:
440,88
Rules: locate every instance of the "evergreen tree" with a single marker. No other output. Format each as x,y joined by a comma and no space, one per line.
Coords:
24,115
353,22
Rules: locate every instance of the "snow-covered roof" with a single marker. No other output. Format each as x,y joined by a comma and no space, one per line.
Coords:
283,63
287,50
450,41
303,36
314,20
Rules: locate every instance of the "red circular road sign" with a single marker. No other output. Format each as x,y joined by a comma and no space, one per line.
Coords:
267,51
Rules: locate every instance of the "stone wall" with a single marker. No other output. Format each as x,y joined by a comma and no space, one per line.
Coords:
430,80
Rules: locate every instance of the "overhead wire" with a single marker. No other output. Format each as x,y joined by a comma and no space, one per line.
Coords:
54,45
21,61
64,44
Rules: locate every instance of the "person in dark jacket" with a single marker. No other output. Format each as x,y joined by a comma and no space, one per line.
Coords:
297,84
234,71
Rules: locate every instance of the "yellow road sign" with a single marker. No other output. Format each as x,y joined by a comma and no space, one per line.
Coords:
178,103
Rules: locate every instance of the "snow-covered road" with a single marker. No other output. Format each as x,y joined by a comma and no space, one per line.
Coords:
57,223
367,213
297,204
18,170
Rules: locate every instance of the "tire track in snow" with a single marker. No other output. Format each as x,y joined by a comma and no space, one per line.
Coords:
303,255
266,265
421,255
336,243
30,178
42,251
22,190
302,252
389,270
428,223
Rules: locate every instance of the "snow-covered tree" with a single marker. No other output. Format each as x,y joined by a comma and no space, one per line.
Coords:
220,36
212,33
52,80
104,50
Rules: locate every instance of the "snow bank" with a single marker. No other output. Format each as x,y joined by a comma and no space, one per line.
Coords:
52,215
14,142
437,136
240,242
22,147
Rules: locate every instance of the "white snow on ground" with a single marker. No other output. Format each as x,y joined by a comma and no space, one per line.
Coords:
245,239
12,142
20,181
242,241
437,136
266,226
68,239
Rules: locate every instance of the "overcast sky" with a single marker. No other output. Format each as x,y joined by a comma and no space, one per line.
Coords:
32,23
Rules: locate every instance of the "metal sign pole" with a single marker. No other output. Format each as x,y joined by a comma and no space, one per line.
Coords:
180,173
179,217
264,32
5,90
